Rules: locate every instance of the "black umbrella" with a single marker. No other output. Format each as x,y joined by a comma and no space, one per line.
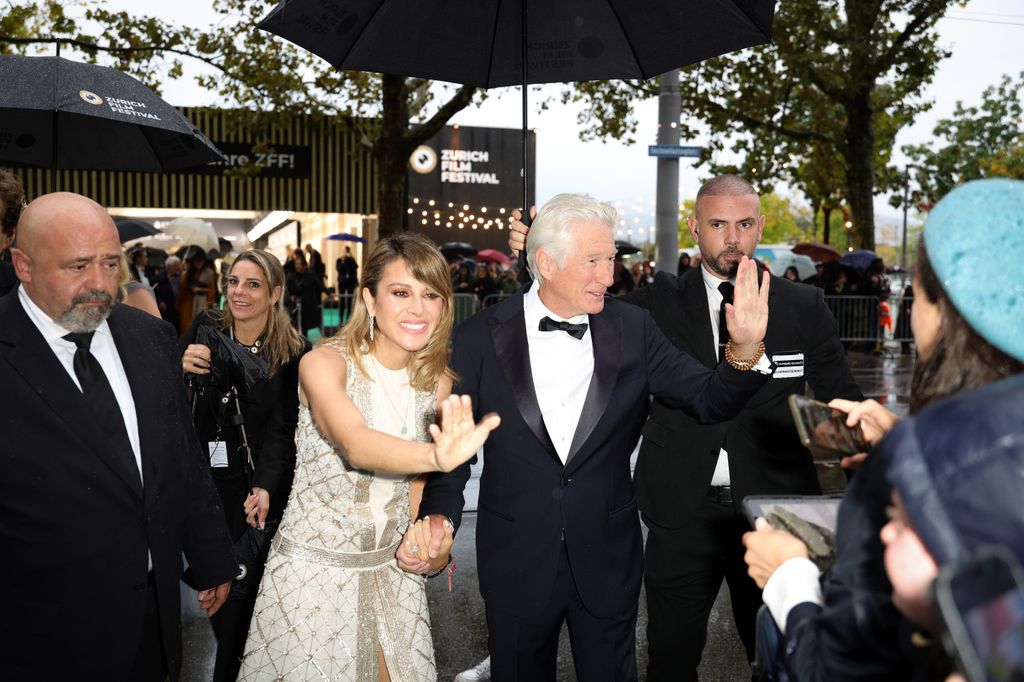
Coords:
57,113
493,43
458,249
625,248
157,257
131,228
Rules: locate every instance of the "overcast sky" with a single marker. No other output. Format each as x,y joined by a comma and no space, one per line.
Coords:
985,39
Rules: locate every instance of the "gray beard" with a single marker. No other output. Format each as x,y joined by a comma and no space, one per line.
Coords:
86,319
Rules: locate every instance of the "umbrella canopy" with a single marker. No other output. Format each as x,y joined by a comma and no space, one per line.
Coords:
480,42
193,232
859,259
453,250
625,248
157,257
823,253
345,237
57,113
783,260
134,229
493,43
493,256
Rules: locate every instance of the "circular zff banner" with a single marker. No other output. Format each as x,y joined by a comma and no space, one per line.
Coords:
423,159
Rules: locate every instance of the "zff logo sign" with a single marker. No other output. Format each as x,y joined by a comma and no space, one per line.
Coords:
90,97
423,159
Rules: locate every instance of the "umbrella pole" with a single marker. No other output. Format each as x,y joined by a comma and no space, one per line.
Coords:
56,127
521,261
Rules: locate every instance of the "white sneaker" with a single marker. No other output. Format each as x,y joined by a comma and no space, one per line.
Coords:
481,672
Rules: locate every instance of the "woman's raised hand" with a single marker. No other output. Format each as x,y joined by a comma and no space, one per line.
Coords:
458,438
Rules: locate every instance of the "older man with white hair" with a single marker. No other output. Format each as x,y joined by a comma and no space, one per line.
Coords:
570,371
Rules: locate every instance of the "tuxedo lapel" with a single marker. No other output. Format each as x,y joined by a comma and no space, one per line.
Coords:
512,350
33,359
606,335
699,318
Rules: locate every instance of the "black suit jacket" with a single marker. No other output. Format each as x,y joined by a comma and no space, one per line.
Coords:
8,278
529,501
679,454
76,527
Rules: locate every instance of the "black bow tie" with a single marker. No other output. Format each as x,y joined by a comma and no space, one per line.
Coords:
574,330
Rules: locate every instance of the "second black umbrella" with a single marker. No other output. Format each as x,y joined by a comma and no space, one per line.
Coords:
60,114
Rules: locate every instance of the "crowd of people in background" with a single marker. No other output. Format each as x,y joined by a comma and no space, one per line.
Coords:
341,467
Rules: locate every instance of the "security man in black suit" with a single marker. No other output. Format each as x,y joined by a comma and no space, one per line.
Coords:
102,482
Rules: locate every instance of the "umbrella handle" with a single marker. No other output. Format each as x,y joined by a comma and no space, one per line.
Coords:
524,269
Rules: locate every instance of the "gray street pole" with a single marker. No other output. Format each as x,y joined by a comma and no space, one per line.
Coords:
906,201
667,210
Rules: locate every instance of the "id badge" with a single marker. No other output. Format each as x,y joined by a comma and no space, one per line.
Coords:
788,365
218,454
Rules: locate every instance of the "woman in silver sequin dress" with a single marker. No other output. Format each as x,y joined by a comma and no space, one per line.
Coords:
334,603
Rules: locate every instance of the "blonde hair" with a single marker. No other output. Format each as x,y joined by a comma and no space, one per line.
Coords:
424,260
281,342
124,276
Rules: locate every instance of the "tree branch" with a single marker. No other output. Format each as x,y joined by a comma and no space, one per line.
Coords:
928,10
752,122
459,101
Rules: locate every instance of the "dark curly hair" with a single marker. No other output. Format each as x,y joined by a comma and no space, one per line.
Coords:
13,196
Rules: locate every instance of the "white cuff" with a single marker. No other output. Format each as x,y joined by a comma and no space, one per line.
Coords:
763,365
795,582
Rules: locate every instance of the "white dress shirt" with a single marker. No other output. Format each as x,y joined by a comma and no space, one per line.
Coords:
562,367
105,352
711,283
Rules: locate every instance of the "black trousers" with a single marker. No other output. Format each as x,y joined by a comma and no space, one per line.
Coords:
526,649
683,573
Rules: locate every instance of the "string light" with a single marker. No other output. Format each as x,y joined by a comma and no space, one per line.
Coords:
474,217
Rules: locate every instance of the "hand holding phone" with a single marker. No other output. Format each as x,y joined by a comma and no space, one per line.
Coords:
823,430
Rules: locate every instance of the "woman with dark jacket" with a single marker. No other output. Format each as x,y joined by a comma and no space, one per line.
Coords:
967,327
957,471
254,319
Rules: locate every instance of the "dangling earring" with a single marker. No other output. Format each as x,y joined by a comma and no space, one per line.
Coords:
371,327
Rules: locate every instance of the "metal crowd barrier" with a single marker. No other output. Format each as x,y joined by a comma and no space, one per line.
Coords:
865,319
861,319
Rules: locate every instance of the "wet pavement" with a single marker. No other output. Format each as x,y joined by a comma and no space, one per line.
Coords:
460,634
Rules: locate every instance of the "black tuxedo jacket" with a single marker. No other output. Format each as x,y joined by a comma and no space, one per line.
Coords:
75,524
529,501
679,454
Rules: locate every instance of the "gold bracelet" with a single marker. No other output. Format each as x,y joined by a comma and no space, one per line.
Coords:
743,365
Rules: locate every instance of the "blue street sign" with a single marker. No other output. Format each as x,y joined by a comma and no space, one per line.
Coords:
672,151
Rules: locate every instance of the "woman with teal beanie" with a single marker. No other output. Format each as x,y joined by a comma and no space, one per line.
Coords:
968,321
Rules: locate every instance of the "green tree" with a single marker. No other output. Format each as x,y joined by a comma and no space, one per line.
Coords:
975,142
265,76
840,80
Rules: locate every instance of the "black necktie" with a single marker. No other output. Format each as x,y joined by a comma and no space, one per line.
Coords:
725,288
574,330
100,398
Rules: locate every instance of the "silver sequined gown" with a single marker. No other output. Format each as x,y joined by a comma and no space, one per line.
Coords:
332,590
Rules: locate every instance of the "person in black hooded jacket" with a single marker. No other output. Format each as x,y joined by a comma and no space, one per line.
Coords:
844,626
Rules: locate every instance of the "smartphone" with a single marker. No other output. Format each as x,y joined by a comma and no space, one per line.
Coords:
981,601
823,430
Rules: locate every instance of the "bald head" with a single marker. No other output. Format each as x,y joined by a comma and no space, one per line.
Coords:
68,259
58,215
